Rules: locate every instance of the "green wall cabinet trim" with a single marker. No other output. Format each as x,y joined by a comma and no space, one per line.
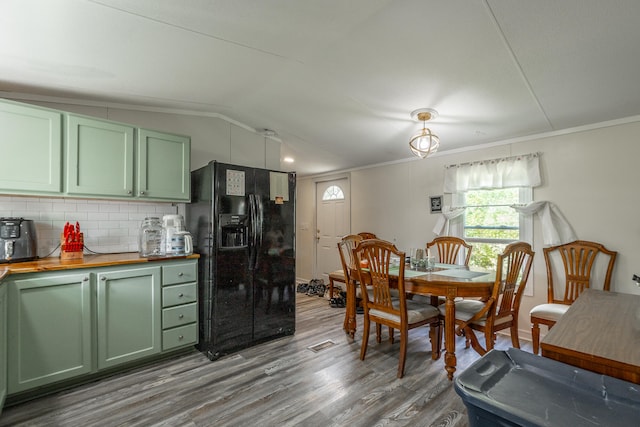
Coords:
49,329
129,315
3,344
164,165
31,149
99,157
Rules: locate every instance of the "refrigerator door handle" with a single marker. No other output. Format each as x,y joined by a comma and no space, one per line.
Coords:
258,227
252,231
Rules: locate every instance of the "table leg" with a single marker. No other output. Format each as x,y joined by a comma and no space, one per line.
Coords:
350,312
435,354
450,360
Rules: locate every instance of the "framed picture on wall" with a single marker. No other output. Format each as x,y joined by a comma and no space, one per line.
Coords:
436,204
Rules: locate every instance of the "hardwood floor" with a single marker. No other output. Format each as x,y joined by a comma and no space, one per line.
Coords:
281,383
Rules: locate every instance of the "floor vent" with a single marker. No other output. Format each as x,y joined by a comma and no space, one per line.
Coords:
321,346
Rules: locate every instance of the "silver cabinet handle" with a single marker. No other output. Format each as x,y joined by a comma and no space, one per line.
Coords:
180,295
129,192
85,279
180,274
103,278
142,193
180,337
181,316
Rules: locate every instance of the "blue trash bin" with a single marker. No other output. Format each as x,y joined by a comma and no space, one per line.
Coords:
516,388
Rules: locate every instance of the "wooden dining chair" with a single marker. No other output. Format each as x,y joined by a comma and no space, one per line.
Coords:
345,251
367,235
381,307
578,260
500,311
448,249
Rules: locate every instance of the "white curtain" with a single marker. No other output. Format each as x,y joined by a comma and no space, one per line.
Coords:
556,230
516,171
442,225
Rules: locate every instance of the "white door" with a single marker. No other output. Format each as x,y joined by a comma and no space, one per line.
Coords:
333,215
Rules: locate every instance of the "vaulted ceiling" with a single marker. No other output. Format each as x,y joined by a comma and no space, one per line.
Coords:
335,79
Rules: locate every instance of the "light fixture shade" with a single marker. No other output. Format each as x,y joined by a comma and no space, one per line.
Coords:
424,143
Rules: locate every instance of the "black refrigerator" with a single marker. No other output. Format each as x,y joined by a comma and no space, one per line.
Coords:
243,224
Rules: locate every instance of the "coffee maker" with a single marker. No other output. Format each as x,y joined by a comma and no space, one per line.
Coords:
177,240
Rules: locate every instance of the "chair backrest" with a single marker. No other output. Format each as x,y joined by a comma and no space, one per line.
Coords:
378,255
512,272
448,248
578,260
367,235
345,249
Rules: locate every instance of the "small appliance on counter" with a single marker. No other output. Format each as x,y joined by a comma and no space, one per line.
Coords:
18,241
177,239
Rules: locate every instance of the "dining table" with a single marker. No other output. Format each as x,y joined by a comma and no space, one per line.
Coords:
444,280
599,332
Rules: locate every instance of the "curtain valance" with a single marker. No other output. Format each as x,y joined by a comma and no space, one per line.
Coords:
515,171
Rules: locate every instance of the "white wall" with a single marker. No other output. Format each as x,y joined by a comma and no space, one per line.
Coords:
590,175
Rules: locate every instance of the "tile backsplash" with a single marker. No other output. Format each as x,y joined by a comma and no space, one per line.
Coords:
108,226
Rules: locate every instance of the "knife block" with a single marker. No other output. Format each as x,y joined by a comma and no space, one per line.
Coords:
71,250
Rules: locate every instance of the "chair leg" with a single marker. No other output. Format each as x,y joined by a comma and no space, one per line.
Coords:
391,336
535,337
475,344
378,333
515,339
435,336
404,337
365,337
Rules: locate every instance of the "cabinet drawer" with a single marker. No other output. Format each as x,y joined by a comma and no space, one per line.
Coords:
179,273
179,294
179,315
180,336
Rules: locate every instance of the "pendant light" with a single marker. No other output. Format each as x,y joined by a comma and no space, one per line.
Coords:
425,142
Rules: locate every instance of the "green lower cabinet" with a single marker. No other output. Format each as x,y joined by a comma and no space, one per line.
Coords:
64,325
129,315
49,329
3,344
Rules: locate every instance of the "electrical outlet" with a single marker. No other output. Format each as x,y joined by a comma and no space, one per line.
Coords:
636,279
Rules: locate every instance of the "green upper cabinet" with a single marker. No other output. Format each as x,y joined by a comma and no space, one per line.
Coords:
31,149
99,157
163,166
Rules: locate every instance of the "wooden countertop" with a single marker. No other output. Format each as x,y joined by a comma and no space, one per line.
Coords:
54,263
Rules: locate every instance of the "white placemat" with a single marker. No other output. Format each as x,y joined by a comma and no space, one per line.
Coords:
461,274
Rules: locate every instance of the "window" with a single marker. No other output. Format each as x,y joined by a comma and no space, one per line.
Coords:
490,224
333,193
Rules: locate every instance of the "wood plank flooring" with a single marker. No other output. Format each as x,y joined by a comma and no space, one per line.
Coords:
280,383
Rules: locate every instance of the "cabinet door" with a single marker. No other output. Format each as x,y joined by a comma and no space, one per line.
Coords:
31,149
3,344
163,166
129,315
50,330
99,157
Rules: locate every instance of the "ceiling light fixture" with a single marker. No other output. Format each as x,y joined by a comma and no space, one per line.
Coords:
425,142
